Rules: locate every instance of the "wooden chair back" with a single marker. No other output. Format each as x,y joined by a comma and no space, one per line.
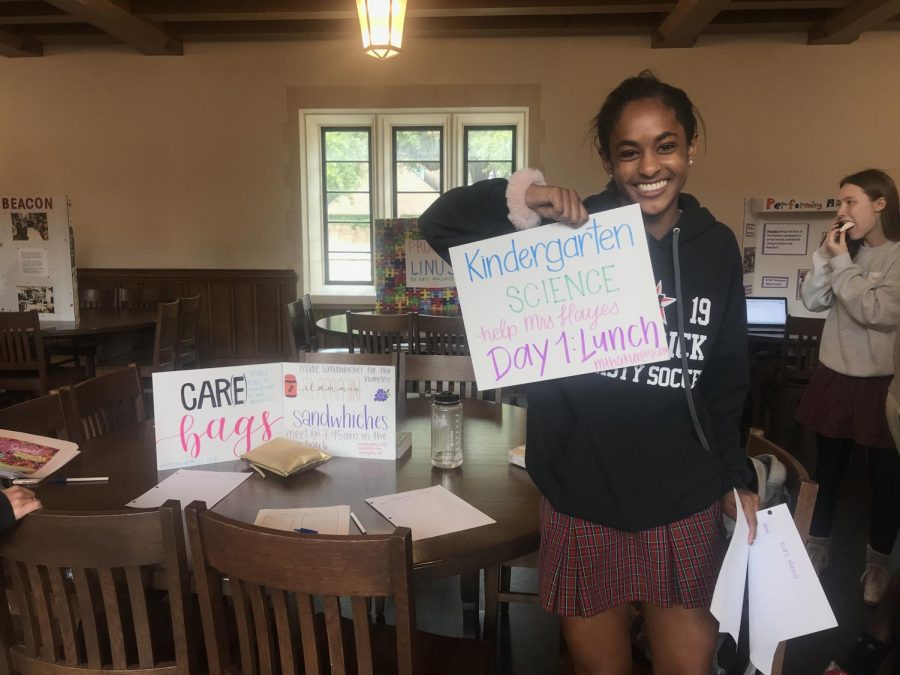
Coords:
96,298
802,502
43,416
188,324
296,314
423,373
81,583
377,333
165,341
276,576
104,404
439,335
137,298
23,363
309,323
800,351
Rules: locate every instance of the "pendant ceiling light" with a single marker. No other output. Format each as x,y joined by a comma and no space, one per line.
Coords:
381,24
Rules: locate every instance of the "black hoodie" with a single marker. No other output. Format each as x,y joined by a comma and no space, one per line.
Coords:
620,447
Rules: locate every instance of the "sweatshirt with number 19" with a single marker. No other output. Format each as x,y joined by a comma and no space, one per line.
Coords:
621,448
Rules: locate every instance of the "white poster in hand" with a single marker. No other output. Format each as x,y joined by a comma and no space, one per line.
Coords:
555,301
728,596
786,598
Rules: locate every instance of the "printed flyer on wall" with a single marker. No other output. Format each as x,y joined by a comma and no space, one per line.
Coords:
218,414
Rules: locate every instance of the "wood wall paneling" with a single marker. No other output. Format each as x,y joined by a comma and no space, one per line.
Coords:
242,315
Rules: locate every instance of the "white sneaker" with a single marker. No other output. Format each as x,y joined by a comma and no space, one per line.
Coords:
876,577
818,549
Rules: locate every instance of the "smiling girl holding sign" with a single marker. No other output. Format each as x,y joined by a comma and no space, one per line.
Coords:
635,466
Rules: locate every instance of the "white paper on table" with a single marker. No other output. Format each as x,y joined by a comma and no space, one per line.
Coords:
786,598
324,520
188,485
429,512
728,597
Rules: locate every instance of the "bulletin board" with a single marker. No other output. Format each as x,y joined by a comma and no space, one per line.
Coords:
409,275
37,256
780,236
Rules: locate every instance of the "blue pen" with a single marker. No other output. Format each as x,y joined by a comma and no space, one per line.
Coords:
305,530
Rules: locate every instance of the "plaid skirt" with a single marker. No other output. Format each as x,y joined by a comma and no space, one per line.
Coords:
842,406
587,568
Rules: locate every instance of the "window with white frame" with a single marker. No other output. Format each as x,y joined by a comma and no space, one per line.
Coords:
358,167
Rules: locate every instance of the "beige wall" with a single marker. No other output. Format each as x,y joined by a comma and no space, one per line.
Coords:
192,161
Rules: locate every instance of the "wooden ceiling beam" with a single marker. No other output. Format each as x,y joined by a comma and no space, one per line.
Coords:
847,25
14,46
684,23
117,19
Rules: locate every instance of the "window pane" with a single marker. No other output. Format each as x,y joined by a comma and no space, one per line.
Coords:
350,267
419,177
344,237
418,144
418,169
347,176
488,144
347,145
476,171
411,205
347,195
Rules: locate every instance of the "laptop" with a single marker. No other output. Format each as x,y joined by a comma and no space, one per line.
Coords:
766,316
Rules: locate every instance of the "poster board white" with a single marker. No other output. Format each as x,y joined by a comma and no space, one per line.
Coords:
37,256
556,301
214,415
779,238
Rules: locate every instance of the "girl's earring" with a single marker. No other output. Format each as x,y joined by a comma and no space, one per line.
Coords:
691,162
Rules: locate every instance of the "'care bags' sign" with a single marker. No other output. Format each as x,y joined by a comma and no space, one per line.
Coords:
555,301
217,414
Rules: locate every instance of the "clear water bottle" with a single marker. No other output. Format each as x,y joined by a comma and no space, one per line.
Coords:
446,431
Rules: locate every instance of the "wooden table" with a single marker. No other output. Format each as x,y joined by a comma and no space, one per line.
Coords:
486,480
98,327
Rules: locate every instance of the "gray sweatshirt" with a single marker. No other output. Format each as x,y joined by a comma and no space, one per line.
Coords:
864,298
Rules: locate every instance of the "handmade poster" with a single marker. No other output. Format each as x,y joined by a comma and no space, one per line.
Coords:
37,261
400,287
780,235
555,301
30,456
346,410
214,415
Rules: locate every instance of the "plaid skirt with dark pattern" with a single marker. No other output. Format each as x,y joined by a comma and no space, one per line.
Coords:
843,406
587,568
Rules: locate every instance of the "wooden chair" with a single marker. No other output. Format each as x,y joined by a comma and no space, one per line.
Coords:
24,366
188,342
104,404
43,416
137,298
165,341
802,501
275,577
799,359
81,583
439,335
296,314
421,373
377,333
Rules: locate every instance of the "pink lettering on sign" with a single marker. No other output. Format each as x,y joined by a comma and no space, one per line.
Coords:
223,429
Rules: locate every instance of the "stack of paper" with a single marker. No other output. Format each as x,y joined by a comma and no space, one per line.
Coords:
322,520
429,512
187,485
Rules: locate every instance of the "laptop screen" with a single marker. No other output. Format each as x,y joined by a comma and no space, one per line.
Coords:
766,312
